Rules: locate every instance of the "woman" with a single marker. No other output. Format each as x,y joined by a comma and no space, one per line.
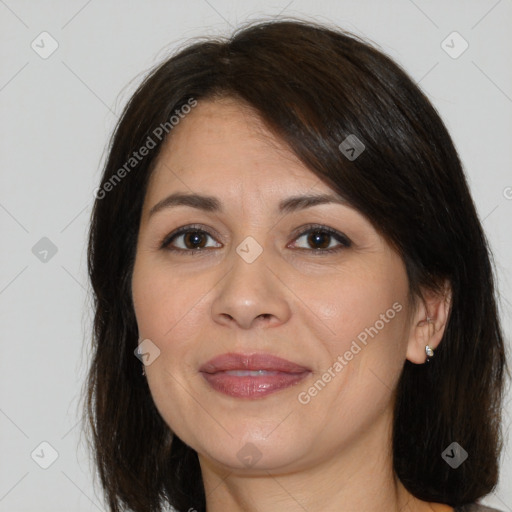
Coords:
285,238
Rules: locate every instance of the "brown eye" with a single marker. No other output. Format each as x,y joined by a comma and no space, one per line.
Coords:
194,239
321,240
186,239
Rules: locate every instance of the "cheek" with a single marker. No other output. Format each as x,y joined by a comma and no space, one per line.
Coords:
363,354
168,314
361,340
366,303
163,305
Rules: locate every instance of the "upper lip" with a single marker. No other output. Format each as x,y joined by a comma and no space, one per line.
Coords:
261,361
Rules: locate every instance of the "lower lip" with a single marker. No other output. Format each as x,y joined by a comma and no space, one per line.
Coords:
252,386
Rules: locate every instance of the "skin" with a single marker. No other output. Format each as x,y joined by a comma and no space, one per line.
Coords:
333,453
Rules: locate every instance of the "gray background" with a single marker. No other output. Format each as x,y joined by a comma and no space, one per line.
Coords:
57,115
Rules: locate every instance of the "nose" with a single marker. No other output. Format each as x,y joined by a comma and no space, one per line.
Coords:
251,294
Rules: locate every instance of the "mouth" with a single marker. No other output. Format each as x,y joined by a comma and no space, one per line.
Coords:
251,375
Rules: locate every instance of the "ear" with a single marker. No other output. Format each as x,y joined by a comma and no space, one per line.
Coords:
436,307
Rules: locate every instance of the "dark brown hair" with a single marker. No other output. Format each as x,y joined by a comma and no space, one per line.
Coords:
313,86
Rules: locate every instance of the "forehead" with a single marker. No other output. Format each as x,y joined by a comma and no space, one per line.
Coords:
224,147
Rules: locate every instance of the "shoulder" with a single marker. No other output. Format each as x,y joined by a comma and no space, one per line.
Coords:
474,507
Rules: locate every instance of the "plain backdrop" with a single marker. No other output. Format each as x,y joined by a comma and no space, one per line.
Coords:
58,110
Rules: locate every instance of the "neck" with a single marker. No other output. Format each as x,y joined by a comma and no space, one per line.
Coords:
359,476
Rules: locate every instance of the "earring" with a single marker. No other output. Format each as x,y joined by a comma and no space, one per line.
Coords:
428,349
143,370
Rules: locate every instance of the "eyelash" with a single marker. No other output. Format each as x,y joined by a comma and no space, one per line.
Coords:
310,228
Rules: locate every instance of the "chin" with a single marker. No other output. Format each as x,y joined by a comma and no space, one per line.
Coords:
253,455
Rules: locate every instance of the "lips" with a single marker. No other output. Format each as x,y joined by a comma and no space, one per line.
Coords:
267,362
251,375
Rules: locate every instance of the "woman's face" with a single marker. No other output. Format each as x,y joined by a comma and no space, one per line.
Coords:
252,276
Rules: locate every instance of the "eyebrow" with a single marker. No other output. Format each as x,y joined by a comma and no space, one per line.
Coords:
212,204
